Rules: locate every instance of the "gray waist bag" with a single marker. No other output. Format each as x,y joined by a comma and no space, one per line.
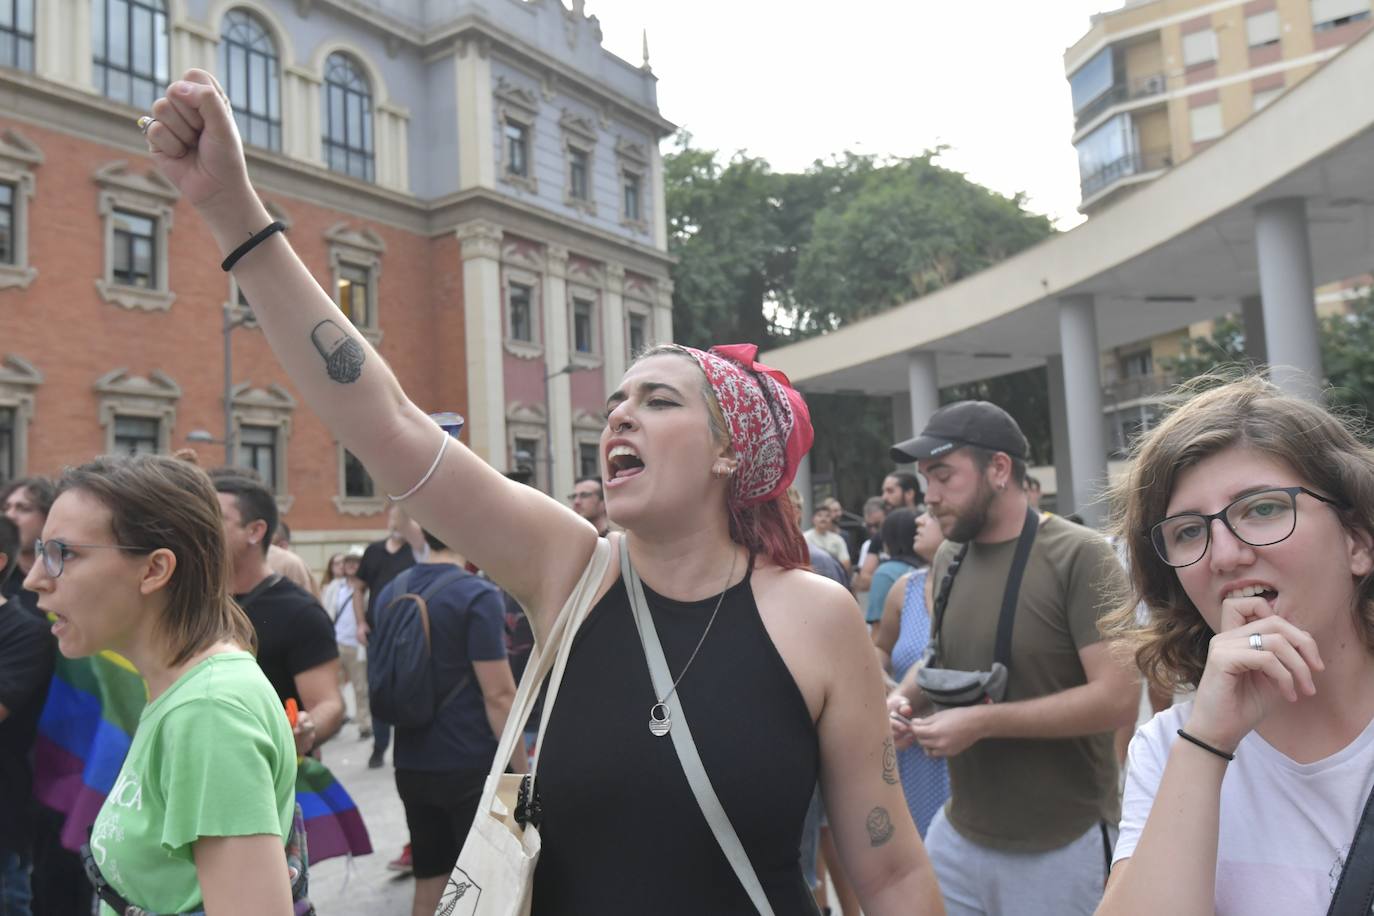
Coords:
950,687
947,687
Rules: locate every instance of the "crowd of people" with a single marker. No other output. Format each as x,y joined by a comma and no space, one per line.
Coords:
932,713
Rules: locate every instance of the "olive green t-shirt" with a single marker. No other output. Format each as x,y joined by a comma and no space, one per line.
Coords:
1031,794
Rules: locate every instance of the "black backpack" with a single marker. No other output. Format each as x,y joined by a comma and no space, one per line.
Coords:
400,670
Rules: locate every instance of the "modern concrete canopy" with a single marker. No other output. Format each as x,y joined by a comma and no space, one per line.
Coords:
1282,203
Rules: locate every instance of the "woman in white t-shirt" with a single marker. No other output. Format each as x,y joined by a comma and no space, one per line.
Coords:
1248,516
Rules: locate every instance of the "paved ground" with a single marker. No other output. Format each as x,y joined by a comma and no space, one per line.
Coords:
363,886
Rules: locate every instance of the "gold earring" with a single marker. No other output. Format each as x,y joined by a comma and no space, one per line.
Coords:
721,470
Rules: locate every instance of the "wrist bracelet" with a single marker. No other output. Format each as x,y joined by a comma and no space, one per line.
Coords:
428,474
1205,746
228,263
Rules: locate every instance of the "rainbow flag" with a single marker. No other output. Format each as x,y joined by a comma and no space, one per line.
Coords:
84,735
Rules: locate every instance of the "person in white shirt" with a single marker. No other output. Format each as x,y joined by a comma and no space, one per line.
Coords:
1249,517
822,533
345,601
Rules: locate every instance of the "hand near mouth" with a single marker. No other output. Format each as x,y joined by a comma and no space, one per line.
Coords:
1243,683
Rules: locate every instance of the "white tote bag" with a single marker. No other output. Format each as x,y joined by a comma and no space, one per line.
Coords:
495,872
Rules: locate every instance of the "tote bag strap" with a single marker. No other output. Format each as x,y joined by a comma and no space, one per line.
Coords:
544,656
1355,888
686,748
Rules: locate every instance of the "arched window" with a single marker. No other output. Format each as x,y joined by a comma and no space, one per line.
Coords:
249,68
16,39
129,48
347,118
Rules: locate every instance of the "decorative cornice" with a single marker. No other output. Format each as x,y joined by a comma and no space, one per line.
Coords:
149,182
19,149
479,239
274,397
363,239
157,384
15,370
577,125
631,151
523,99
526,413
556,260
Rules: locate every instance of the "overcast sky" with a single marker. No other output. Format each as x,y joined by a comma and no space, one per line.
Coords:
794,81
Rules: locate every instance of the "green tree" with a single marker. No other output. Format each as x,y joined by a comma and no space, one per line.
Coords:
772,257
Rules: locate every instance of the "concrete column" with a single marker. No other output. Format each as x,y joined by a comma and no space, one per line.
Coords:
1083,407
1286,284
485,331
192,45
476,146
613,324
302,107
62,42
391,126
803,485
658,198
901,418
557,356
1059,437
1252,319
923,387
663,312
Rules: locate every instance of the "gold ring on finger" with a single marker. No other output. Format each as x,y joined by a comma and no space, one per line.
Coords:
1257,641
146,122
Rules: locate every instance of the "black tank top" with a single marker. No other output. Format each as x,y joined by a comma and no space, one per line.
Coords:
622,832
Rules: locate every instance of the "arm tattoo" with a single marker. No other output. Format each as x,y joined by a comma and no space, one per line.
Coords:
889,761
343,356
880,827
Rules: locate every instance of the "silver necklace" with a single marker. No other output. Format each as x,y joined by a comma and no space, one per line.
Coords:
660,716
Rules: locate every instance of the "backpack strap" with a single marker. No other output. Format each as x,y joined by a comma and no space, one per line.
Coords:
1355,888
421,599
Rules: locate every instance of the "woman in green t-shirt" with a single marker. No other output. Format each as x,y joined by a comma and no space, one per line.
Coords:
132,559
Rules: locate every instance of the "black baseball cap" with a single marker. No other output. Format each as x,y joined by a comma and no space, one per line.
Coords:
965,423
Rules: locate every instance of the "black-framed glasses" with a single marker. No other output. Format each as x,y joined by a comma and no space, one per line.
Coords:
56,552
1258,519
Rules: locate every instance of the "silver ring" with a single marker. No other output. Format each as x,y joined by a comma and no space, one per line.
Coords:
1257,641
146,122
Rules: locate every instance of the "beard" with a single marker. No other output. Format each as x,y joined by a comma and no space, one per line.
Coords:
970,521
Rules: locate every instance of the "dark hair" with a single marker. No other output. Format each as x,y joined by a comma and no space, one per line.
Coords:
909,483
433,540
1032,482
592,478
1250,413
40,489
255,502
9,546
899,535
161,503
982,457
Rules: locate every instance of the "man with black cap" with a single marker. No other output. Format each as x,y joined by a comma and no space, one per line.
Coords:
1033,806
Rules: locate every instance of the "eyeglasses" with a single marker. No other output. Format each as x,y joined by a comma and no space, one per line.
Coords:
576,496
55,553
1258,519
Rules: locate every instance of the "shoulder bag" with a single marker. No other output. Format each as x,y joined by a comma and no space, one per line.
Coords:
1354,893
495,871
683,744
948,687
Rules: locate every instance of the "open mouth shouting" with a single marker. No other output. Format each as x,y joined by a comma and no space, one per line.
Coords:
622,463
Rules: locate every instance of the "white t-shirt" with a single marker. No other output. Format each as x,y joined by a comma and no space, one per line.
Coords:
1285,826
830,542
339,605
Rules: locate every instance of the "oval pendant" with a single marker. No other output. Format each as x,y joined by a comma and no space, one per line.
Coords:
660,720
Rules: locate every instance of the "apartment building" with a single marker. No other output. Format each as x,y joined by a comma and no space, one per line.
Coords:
1157,82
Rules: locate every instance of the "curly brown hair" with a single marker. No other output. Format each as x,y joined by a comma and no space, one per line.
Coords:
1170,647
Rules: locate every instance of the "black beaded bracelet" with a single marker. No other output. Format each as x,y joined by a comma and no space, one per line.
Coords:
228,263
1205,746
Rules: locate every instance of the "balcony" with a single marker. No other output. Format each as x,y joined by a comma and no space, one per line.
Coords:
1137,388
1138,163
1139,88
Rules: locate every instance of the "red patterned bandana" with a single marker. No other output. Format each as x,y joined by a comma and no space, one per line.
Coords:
770,426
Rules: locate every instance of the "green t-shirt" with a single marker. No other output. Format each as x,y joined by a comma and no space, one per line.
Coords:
213,756
1031,794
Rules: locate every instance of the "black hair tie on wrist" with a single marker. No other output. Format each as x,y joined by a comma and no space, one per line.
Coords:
1205,746
228,263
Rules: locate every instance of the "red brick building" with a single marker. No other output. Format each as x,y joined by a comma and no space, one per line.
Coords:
481,193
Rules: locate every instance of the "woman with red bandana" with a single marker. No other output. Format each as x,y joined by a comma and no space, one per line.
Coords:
772,663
